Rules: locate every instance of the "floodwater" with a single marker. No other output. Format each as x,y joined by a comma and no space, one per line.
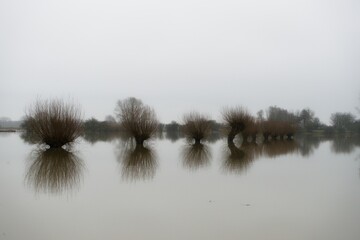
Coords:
105,188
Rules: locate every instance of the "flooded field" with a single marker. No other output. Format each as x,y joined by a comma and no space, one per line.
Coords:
105,188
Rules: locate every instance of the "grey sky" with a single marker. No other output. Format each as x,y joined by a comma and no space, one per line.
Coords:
179,56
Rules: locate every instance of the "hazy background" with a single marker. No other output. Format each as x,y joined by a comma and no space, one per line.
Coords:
181,55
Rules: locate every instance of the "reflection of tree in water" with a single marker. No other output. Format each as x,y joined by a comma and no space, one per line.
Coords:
274,149
138,162
308,144
54,170
357,159
345,144
239,159
196,155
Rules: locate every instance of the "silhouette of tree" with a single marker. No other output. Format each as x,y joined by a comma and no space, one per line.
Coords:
54,122
236,120
137,119
196,126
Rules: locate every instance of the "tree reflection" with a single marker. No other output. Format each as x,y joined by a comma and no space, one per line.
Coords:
308,144
274,149
345,144
239,159
196,155
138,162
54,170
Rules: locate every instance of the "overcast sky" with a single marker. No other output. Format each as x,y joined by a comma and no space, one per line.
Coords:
179,56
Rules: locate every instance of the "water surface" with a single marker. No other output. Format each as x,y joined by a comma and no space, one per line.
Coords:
105,188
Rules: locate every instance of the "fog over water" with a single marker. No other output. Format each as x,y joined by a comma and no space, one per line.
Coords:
181,56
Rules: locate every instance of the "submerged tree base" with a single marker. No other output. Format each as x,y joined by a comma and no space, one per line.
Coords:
55,146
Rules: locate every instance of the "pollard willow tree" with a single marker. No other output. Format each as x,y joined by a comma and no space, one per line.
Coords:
236,120
196,126
54,122
137,119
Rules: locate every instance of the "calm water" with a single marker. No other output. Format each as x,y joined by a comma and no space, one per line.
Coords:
106,189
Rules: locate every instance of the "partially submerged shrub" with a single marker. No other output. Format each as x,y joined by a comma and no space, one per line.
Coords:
196,126
137,119
266,129
277,129
54,122
236,120
289,129
251,131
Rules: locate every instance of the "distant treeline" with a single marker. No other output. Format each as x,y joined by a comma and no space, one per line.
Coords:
305,121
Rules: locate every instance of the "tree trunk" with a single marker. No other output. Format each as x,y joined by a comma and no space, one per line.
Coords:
231,136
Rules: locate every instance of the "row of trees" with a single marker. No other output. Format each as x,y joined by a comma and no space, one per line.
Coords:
57,123
140,122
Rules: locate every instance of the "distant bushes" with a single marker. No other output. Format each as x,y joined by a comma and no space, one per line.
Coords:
277,129
236,121
172,131
105,126
137,119
54,122
251,131
196,126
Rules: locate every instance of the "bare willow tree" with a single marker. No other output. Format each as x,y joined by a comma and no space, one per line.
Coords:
251,131
196,126
54,122
236,119
136,119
